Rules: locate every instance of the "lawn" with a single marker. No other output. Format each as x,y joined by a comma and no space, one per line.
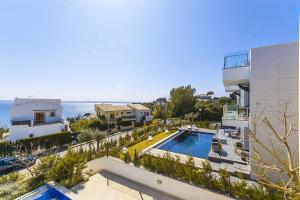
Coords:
145,143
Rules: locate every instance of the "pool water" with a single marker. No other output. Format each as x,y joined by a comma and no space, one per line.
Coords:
189,143
52,194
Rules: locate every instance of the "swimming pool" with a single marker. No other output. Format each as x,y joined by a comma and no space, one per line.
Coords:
196,144
52,193
45,192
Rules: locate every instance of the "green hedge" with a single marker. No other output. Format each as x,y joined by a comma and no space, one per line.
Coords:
204,177
47,141
6,149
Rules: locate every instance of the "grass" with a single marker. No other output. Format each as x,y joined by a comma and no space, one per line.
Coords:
146,143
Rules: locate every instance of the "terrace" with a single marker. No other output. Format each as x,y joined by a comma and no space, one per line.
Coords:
236,69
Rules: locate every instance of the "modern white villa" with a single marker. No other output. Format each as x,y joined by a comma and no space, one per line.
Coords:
263,78
36,117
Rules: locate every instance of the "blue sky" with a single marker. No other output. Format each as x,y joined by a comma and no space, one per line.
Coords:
131,50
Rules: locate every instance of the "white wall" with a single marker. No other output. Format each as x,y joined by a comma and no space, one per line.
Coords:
25,111
274,80
20,131
169,186
234,76
235,122
140,113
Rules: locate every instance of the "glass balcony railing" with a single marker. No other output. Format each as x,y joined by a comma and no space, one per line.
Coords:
237,59
234,112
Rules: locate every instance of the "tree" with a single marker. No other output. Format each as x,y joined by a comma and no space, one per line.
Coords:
212,110
191,117
154,125
88,135
68,171
98,136
189,168
210,93
183,100
127,157
234,95
158,112
279,153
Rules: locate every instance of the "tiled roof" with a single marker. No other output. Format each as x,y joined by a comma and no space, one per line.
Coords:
138,107
111,108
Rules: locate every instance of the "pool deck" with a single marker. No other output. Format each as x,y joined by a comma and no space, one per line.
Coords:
229,160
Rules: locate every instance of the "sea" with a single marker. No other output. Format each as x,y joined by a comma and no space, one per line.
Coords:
70,109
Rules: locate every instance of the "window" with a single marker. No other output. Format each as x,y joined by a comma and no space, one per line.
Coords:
52,114
111,116
128,113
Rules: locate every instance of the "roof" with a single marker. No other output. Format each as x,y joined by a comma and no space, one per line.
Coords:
22,101
112,108
138,107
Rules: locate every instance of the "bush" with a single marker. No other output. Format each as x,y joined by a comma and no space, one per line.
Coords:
127,157
66,170
203,177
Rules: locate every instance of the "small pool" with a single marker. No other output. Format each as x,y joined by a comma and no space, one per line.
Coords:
52,193
45,192
196,144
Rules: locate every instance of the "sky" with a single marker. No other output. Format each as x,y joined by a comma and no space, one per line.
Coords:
130,50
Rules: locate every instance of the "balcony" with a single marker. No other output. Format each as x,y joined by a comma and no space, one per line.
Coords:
236,69
234,112
235,116
31,123
128,118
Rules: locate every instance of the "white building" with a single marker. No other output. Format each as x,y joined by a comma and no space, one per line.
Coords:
36,117
141,113
264,78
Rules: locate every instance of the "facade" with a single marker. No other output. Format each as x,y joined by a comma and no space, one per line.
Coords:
36,117
116,114
264,79
141,113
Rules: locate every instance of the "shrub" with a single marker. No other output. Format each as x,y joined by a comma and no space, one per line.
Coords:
127,157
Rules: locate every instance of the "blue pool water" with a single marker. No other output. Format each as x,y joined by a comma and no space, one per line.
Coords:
52,194
187,143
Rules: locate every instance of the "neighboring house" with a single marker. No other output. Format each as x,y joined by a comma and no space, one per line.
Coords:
141,113
116,114
263,78
36,117
203,97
